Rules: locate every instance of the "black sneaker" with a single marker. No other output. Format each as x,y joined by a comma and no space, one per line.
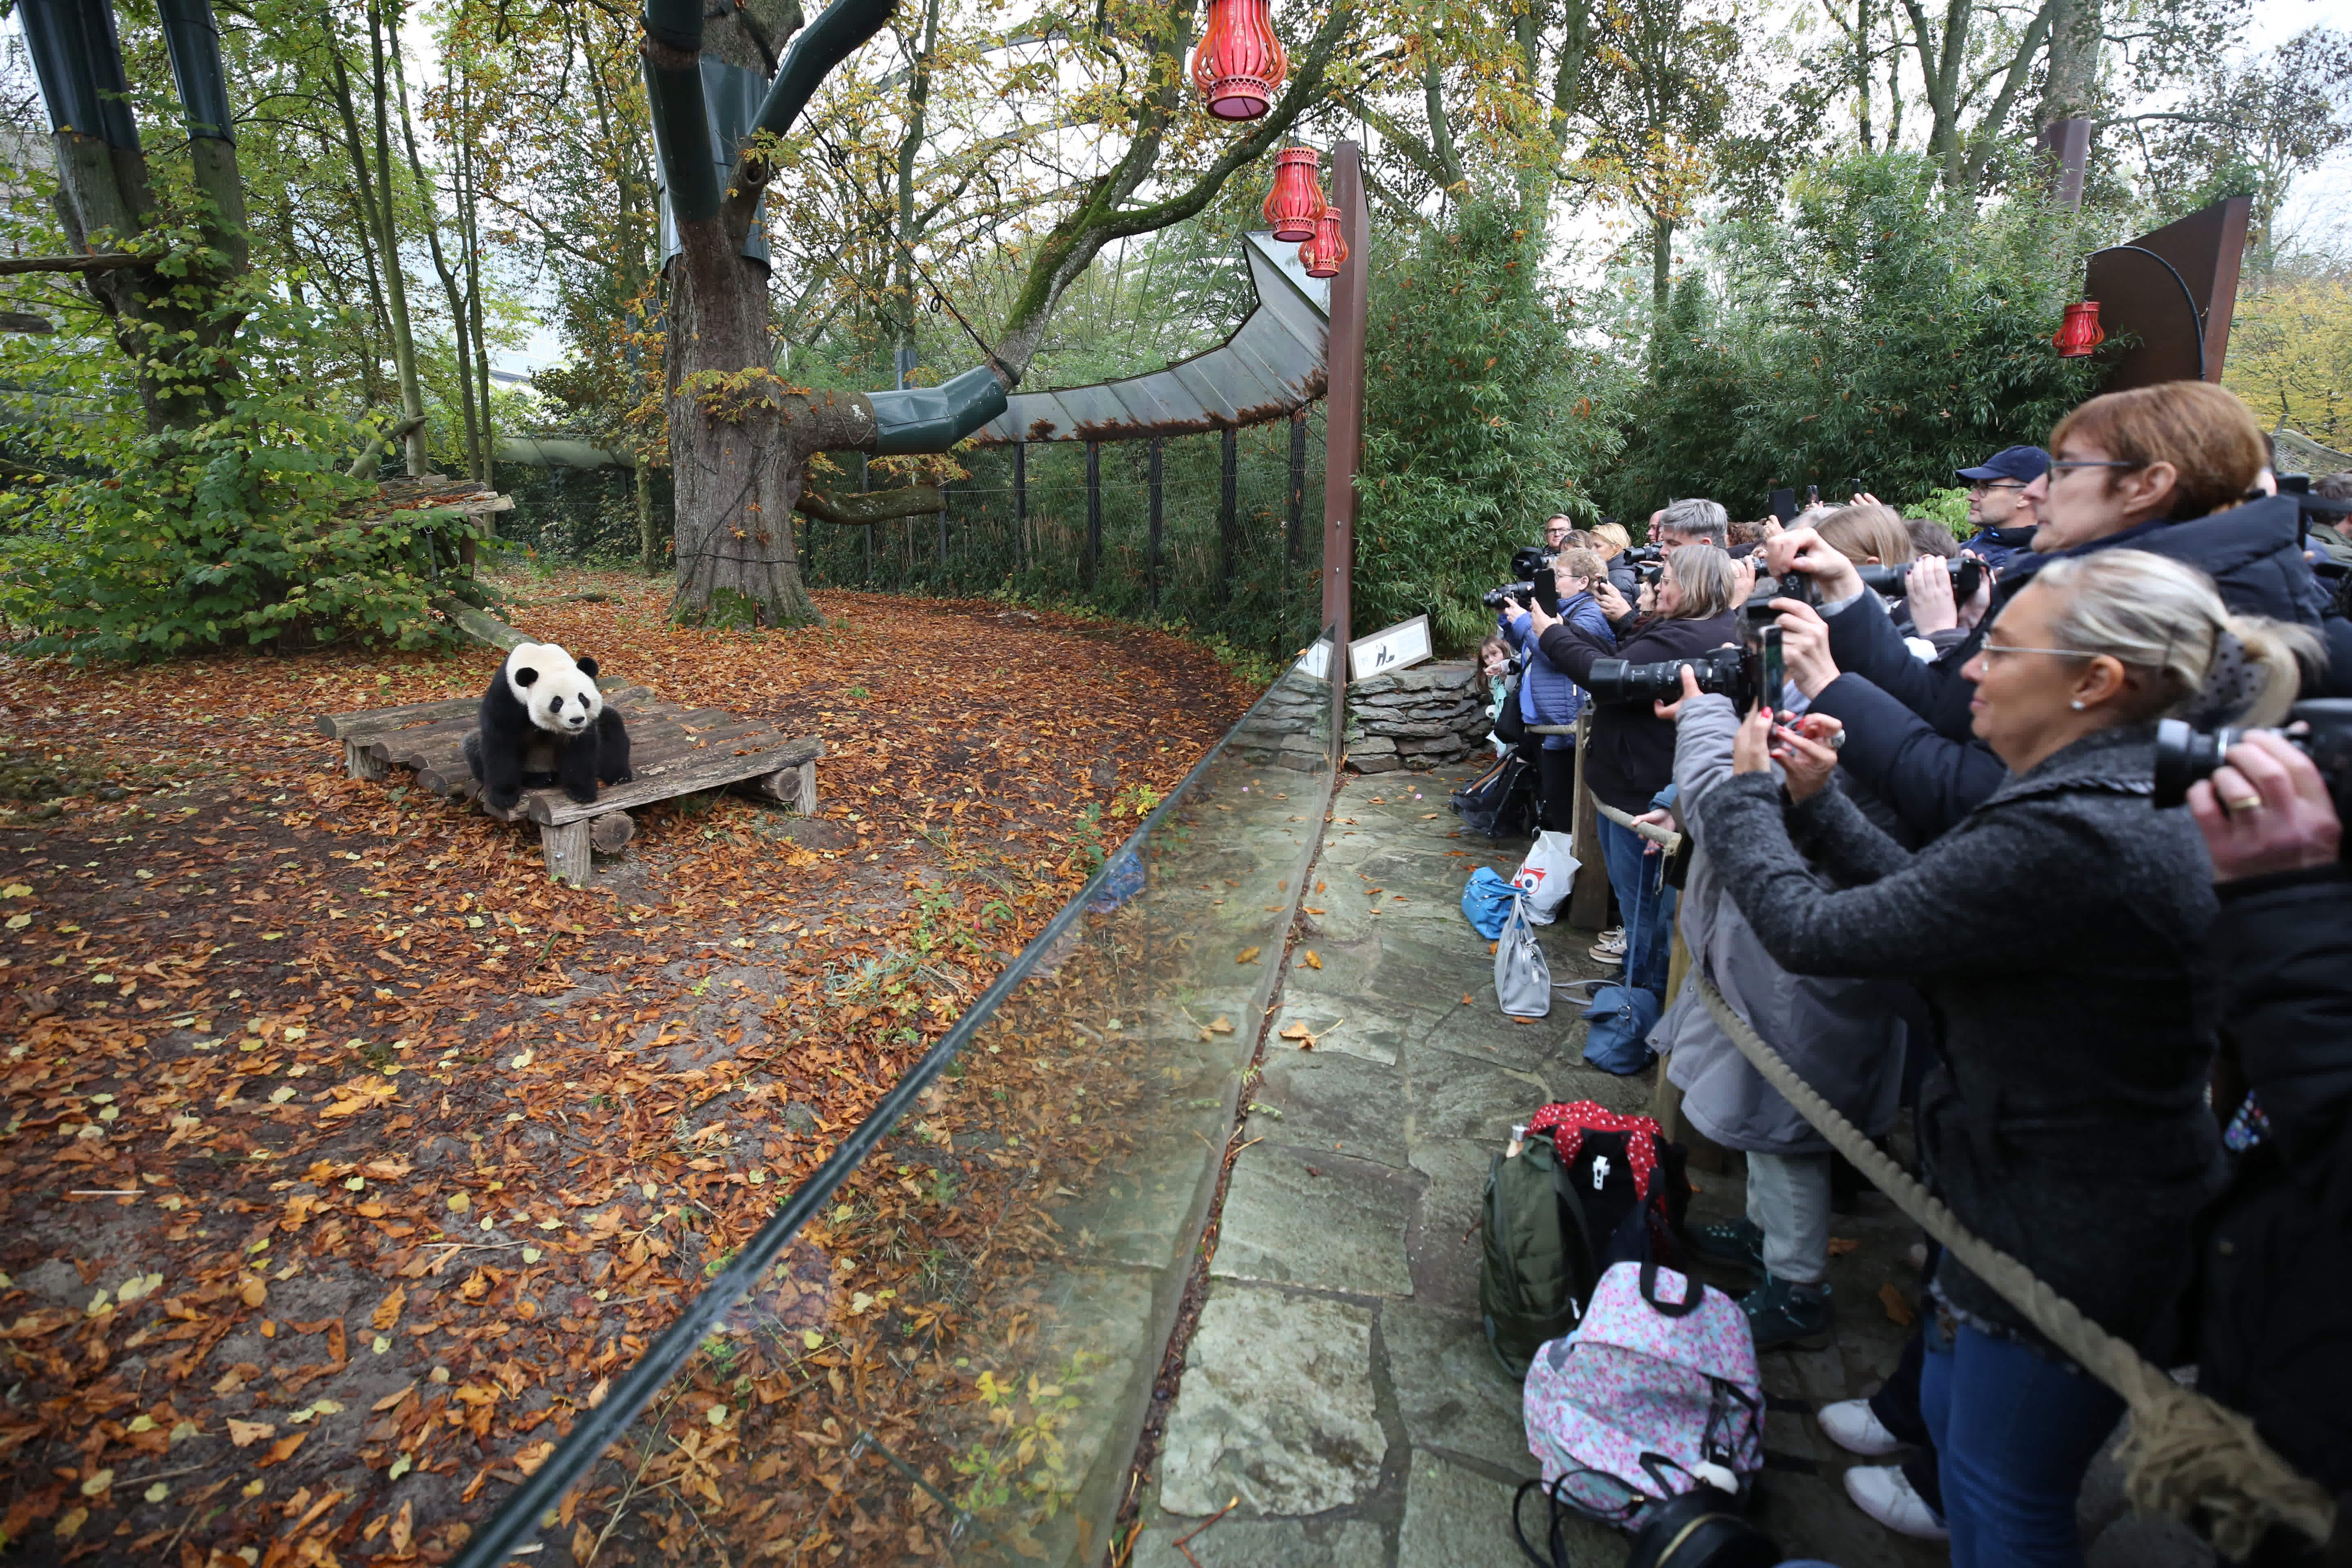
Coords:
1735,1243
1781,1315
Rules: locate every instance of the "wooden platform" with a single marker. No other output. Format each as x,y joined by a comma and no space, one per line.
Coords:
673,751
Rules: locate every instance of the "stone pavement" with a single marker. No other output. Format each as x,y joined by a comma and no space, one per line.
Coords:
1338,1384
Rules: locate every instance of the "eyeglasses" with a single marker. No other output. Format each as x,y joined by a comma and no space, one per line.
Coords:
2068,464
1983,485
1993,650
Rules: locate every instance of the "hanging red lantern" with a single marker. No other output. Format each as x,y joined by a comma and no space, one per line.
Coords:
1321,255
1295,201
1239,64
2080,332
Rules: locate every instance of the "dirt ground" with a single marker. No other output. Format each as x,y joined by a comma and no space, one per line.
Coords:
341,1145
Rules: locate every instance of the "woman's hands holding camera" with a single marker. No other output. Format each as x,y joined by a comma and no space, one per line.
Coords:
1927,588
1802,550
1672,710
2265,809
1805,647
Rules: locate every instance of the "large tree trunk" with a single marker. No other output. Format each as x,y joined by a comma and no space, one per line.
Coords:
733,465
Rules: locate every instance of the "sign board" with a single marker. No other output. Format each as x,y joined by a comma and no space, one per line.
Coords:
1317,660
1383,653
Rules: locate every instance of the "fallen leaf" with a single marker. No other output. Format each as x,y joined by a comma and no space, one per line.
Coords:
1842,1244
1898,1308
70,1523
1313,962
1221,1025
387,1311
404,1527
1246,956
245,1434
1465,999
252,1292
529,1458
283,1449
96,1482
1297,1032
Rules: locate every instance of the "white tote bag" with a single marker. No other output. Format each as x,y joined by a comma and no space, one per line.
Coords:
1546,875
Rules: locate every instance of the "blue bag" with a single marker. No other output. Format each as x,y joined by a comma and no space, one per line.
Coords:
1619,1038
1487,902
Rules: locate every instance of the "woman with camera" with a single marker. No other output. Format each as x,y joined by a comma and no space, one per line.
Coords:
2059,934
1629,754
1547,694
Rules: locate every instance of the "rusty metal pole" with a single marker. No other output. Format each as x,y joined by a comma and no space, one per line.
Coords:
1152,562
1093,556
1344,414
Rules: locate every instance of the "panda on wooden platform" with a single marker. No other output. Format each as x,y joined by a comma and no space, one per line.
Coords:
543,722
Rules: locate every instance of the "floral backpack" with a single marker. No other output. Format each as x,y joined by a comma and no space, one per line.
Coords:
1656,1392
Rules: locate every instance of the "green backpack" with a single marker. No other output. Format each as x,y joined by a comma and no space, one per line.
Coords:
1553,1224
1539,1268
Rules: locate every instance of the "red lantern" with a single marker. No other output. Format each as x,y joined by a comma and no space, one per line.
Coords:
1295,201
2082,331
1239,64
1321,255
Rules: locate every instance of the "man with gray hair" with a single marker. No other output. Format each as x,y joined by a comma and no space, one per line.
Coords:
1692,521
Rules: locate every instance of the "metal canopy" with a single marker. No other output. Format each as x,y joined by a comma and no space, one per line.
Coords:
1271,367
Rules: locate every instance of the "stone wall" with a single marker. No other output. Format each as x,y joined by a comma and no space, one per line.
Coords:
1417,718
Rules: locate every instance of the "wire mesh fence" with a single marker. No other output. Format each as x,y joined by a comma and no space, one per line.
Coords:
1236,518
582,517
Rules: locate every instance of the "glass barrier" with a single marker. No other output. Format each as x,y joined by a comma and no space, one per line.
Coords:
942,1349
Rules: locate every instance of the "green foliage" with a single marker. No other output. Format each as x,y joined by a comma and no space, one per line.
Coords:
1948,506
1480,421
1878,333
241,531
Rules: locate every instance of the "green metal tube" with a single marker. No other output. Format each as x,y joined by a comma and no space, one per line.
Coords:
824,44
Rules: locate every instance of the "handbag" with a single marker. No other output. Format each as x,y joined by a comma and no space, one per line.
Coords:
1522,976
1510,724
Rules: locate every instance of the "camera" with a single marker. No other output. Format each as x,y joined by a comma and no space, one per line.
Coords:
1531,563
2321,730
1748,673
1968,575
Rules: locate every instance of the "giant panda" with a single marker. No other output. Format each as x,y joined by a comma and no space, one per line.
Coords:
543,721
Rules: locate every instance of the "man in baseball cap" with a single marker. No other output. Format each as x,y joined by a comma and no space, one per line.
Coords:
1994,486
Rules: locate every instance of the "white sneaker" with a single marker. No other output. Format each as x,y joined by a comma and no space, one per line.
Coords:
1853,1426
1880,1491
1610,947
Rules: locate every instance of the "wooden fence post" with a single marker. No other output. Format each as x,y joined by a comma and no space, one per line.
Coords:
1093,556
1151,565
1588,899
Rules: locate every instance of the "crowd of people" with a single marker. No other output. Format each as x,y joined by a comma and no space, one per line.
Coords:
1930,870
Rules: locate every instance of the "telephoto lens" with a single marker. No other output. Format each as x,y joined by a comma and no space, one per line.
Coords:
1621,681
1968,575
2320,729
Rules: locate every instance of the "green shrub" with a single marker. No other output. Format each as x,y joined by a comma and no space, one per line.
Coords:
1481,419
1875,334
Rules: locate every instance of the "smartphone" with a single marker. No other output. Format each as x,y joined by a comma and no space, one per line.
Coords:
1784,505
1775,667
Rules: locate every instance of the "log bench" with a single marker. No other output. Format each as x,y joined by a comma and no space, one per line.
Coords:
673,751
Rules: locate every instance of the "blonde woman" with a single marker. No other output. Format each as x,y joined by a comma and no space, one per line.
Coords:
2058,934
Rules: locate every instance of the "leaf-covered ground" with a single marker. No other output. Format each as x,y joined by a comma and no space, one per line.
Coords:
346,1158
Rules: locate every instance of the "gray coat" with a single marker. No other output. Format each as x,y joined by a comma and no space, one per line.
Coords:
2059,934
1845,1037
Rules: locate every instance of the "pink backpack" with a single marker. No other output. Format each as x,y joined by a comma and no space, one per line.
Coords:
1653,1393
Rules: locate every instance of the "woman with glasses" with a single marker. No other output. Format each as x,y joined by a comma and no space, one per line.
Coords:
2166,469
2058,935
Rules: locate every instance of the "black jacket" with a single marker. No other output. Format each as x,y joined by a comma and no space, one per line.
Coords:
2058,936
2277,1330
1930,766
1630,753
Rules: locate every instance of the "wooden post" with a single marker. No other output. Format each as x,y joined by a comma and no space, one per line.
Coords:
1093,556
567,849
1020,505
943,530
1588,898
359,762
1229,512
1151,565
1343,448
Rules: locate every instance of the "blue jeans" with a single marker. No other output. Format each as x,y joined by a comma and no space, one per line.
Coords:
1645,901
2014,1433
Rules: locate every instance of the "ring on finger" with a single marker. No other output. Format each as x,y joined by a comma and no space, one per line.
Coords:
2244,802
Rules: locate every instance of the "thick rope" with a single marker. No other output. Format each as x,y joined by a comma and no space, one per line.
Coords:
2186,1455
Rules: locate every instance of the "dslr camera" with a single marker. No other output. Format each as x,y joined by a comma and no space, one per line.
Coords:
1531,563
1749,671
2320,729
1968,576
1649,564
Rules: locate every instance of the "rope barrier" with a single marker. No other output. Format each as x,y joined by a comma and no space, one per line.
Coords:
2186,1454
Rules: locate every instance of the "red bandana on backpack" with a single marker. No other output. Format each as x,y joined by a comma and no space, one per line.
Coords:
1568,1122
